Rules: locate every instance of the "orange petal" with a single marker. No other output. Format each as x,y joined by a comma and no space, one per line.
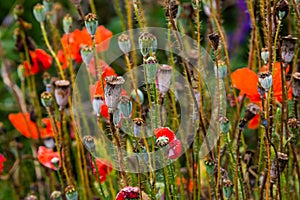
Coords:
245,80
22,122
254,123
43,58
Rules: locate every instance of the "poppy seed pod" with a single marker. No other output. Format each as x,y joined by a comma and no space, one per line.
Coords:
163,79
48,5
265,80
222,69
265,54
151,69
86,54
293,125
46,99
287,48
137,126
162,141
67,23
89,143
282,161
39,12
97,103
117,117
56,195
147,43
282,9
71,193
227,188
62,93
172,10
224,125
214,39
210,166
91,23
251,110
140,96
296,85
112,92
124,43
125,106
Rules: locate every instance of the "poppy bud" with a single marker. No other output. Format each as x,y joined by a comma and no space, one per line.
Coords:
128,193
113,91
21,72
222,69
86,54
293,125
210,166
265,80
282,161
287,48
224,125
56,195
48,5
251,110
265,54
147,43
124,43
282,9
31,197
227,188
39,12
151,69
18,10
137,126
163,79
46,99
67,23
125,106
296,85
214,39
89,143
117,117
91,23
140,96
97,103
71,193
62,93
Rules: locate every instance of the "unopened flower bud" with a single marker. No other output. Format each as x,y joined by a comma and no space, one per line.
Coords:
296,85
151,69
124,43
224,125
113,91
222,69
46,99
288,48
265,80
39,12
137,126
67,23
251,110
48,5
282,9
163,79
62,93
227,188
86,54
210,166
265,54
56,195
147,43
125,106
71,193
214,39
89,143
91,23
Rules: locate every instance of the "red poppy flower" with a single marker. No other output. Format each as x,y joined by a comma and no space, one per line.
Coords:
164,132
39,60
28,128
175,149
105,69
246,81
45,157
73,42
254,122
104,168
62,58
97,89
2,160
128,193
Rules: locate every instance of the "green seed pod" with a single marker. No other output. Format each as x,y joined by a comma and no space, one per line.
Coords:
46,99
151,66
265,80
21,72
86,54
140,96
227,188
147,43
39,12
89,143
91,23
222,69
265,54
48,5
224,125
210,166
67,23
124,43
56,195
71,193
125,106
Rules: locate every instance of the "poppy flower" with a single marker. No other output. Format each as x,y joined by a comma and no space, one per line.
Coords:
97,89
104,168
175,149
246,81
78,38
164,132
254,122
46,157
28,128
2,160
39,60
128,192
105,69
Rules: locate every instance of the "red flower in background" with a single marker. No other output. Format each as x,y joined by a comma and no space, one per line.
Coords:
128,192
78,38
104,168
28,128
175,149
105,69
164,132
45,157
2,160
39,60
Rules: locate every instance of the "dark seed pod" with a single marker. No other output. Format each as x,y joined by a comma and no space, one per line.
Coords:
288,48
282,161
172,9
89,143
296,85
282,9
214,39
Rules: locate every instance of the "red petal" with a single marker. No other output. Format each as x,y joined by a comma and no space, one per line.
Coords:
254,123
245,80
24,125
164,131
45,156
43,58
175,149
104,111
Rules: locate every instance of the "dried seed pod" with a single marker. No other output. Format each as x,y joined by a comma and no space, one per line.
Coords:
67,23
214,39
287,48
296,85
71,193
56,195
124,43
282,9
163,79
265,80
172,9
91,23
39,12
251,111
294,125
224,125
265,54
227,188
112,92
89,143
62,92
282,161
